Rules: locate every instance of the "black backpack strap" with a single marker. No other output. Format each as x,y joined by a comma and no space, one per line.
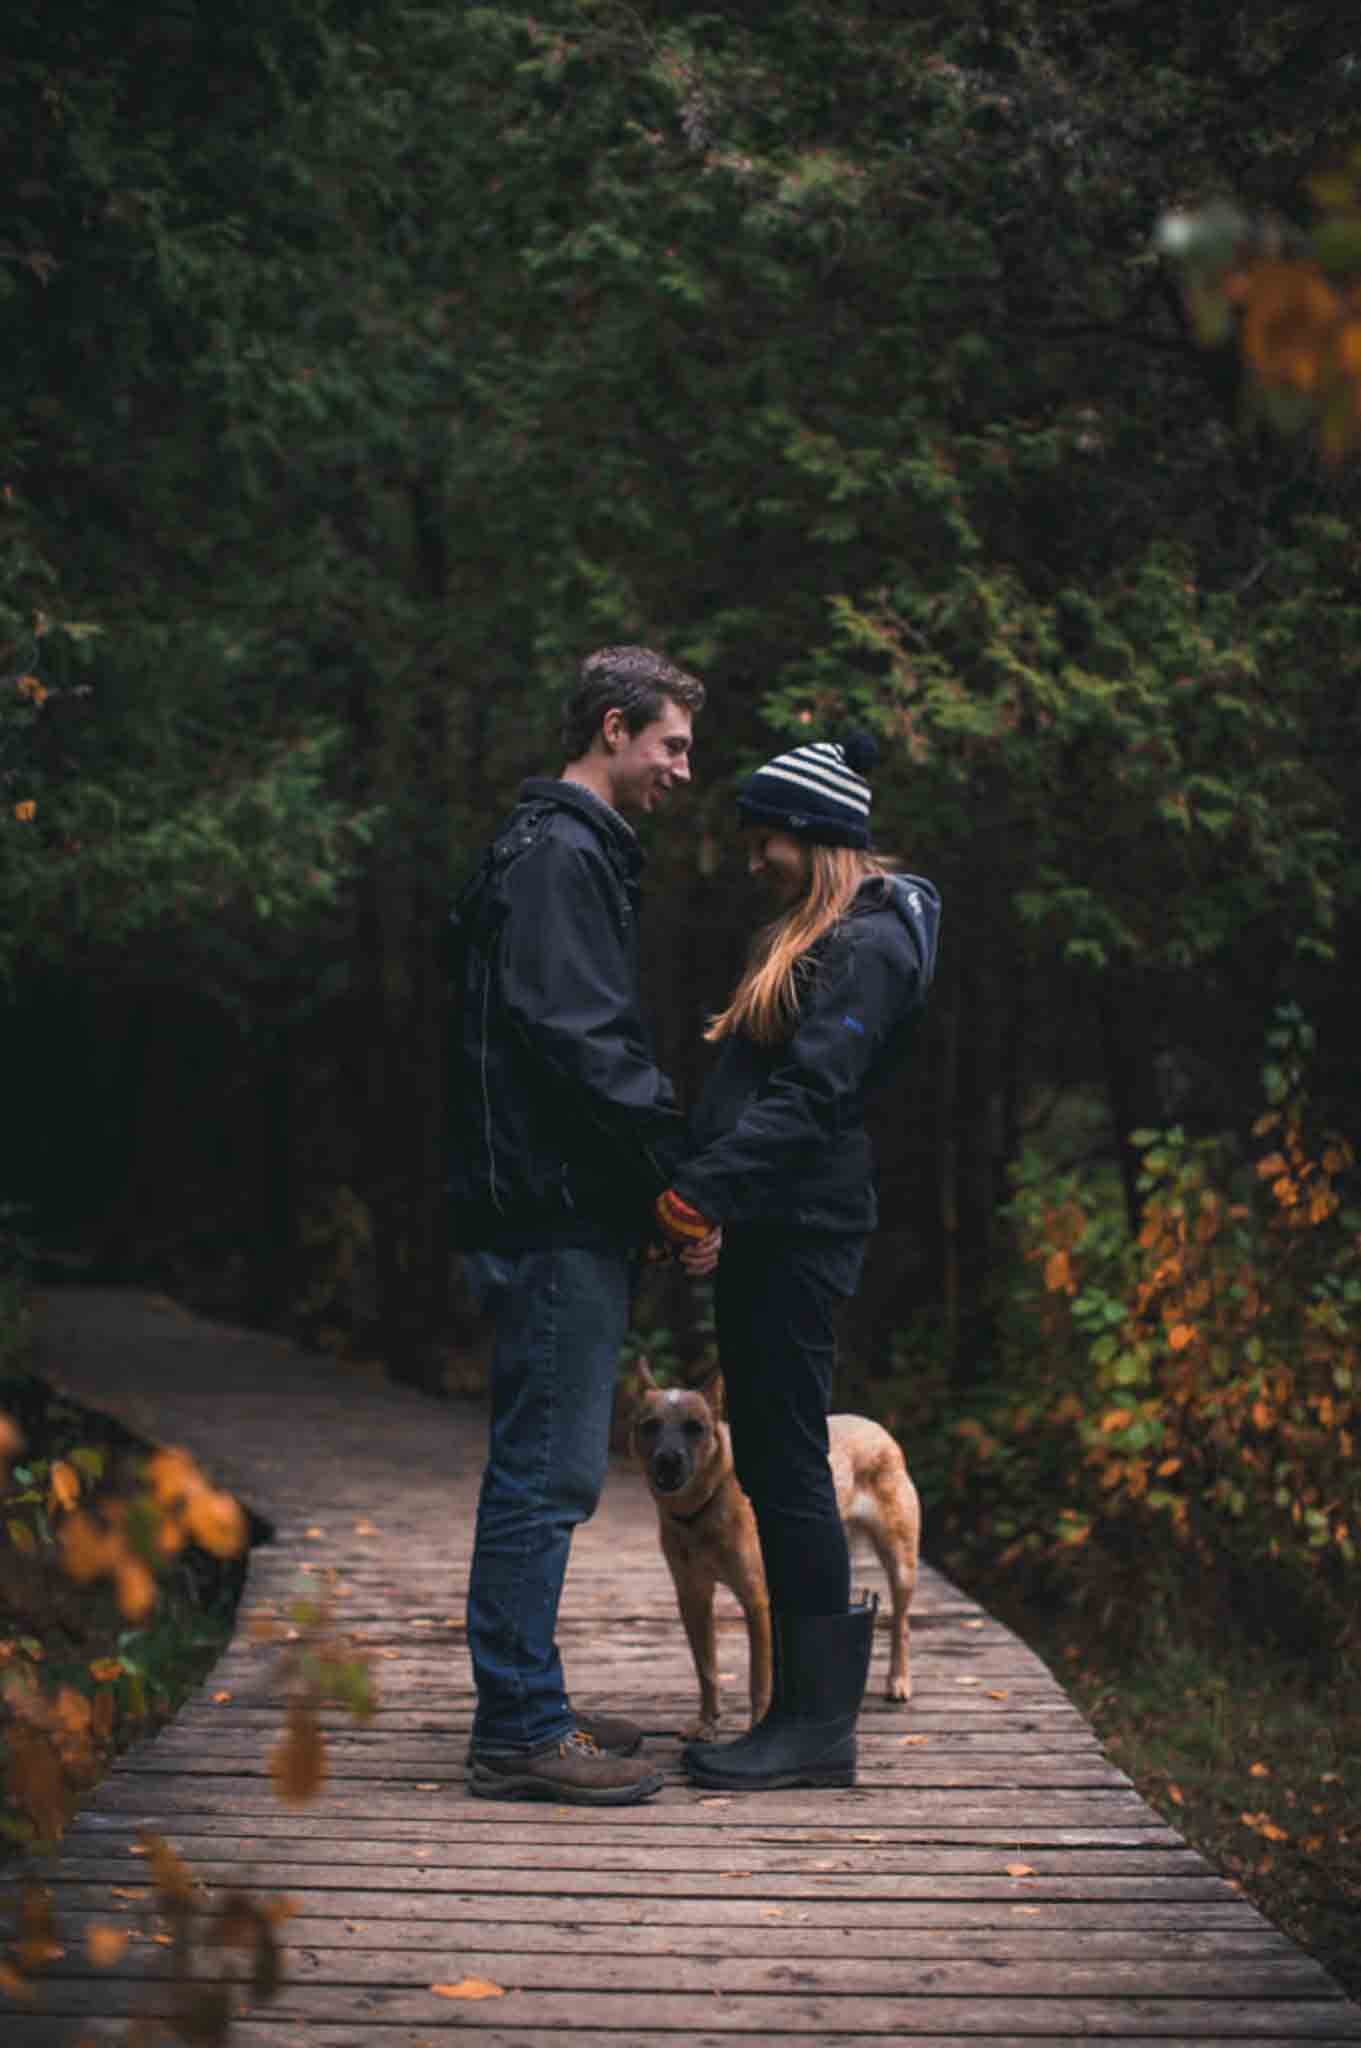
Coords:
480,906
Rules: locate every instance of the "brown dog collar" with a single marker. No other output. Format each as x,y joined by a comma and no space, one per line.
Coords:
687,1521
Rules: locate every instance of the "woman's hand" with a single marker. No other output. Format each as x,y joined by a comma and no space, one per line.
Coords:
700,1259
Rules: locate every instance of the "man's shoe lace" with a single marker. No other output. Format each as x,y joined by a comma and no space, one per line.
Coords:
580,1742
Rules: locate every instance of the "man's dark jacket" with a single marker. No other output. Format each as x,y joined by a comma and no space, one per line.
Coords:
564,1128
780,1130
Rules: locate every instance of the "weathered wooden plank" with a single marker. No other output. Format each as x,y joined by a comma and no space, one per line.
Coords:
595,2012
557,1880
32,2032
796,1935
997,1911
927,1812
328,1974
694,1866
704,1834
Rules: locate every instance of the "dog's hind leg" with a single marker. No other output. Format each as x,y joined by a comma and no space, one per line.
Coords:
897,1553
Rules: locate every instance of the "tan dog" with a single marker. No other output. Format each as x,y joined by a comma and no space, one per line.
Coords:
708,1530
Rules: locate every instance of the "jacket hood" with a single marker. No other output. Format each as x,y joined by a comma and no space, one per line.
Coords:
916,902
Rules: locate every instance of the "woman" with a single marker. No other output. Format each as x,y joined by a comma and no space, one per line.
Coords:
823,1012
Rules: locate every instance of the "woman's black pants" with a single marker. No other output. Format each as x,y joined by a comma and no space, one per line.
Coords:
776,1297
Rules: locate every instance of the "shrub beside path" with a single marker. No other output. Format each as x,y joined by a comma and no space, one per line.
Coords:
992,1877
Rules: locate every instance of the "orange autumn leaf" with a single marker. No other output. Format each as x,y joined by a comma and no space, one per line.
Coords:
106,1669
1057,1272
170,1876
13,1985
217,1523
173,1477
106,1946
26,811
469,1987
87,1549
1180,1335
134,1588
1020,1870
63,1486
298,1765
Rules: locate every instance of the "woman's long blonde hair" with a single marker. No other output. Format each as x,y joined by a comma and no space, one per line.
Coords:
766,1000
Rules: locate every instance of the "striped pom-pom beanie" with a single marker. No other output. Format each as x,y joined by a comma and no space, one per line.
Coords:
819,792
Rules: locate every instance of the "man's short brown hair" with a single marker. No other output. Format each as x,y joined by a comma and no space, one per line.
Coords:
635,680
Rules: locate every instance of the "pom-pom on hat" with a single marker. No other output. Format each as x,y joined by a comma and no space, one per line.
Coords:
819,792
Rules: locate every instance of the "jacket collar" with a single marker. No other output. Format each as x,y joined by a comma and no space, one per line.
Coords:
618,835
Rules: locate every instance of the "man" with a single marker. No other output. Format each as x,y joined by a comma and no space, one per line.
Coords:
566,1131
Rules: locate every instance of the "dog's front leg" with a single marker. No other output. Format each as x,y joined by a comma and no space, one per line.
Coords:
696,1599
761,1670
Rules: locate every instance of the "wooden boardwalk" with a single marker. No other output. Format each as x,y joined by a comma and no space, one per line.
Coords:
992,1878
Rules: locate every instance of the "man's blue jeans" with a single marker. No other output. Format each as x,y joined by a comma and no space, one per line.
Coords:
563,1316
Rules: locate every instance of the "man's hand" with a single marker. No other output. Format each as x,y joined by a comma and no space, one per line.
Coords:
700,1259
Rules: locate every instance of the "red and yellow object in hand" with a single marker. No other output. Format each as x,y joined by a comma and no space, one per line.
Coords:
681,1223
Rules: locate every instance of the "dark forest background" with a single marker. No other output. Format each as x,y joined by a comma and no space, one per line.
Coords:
366,364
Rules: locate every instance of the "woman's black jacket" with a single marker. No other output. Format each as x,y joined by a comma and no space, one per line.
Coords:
780,1129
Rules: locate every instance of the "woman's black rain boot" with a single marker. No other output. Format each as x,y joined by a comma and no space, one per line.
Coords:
808,1735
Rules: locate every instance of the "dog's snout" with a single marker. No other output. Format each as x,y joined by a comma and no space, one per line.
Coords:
668,1470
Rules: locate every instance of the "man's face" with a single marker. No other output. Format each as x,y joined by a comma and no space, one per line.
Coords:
643,767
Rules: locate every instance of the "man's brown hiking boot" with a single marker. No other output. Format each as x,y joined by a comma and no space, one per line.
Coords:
573,1772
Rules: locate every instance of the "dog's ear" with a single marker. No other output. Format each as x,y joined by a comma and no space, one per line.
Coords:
712,1388
644,1372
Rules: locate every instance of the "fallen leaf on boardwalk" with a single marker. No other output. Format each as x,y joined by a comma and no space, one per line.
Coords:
1027,1909
13,1985
164,1940
734,1873
975,1624
106,1946
867,1838
221,1699
421,1621
429,1786
772,1912
715,1802
366,1529
122,1891
469,1987
1020,1870
1002,1695
314,1535
912,1741
298,1764
727,1677
966,1681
